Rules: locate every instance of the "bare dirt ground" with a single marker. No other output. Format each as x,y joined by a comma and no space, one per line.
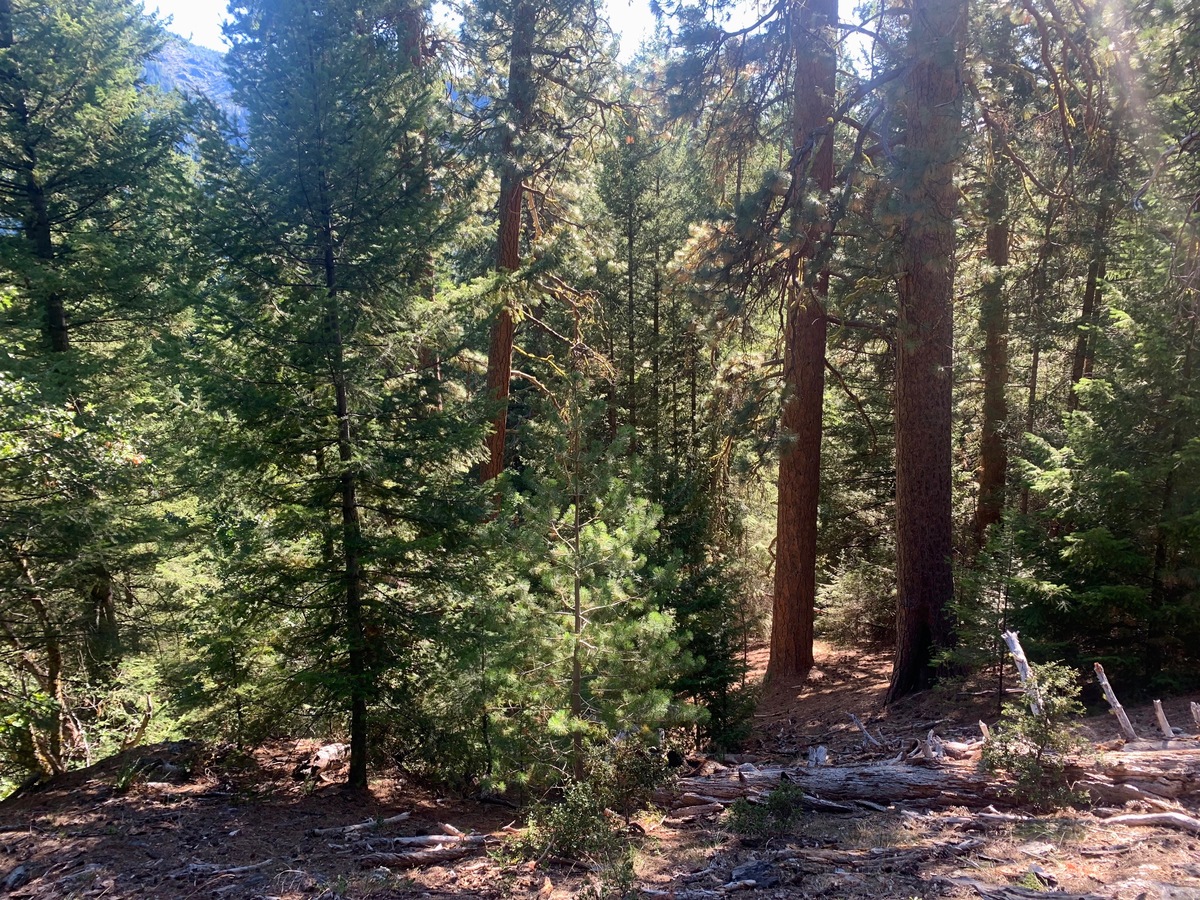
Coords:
199,823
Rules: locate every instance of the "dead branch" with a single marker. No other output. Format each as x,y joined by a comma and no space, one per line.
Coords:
1024,671
1169,819
417,857
867,739
1117,708
1163,725
368,825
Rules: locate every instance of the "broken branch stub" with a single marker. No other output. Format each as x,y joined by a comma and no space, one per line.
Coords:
1025,671
1118,710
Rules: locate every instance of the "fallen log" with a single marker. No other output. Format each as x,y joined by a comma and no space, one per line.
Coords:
1169,819
369,825
416,858
1113,777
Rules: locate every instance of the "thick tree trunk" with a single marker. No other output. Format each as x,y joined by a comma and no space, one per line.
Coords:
993,322
814,52
508,246
928,198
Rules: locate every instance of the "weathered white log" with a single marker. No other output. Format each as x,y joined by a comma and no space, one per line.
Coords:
1154,746
1163,725
985,731
1126,727
1024,672
1170,819
368,825
1196,714
431,840
420,857
1114,777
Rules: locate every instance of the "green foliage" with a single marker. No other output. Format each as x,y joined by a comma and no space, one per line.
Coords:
778,813
586,822
1035,747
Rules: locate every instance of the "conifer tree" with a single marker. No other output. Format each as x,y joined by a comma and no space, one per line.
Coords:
346,476
92,271
926,202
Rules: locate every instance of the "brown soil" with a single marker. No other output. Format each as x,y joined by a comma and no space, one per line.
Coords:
225,825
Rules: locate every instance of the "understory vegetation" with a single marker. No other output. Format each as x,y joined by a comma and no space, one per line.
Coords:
461,390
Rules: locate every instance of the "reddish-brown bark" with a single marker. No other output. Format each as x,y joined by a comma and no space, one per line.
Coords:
928,200
812,24
508,244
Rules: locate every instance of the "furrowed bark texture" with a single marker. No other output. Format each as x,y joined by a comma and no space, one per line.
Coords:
508,251
932,103
812,26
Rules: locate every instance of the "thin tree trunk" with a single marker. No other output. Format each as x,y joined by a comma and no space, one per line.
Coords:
352,574
508,252
814,52
993,322
1088,319
924,364
631,316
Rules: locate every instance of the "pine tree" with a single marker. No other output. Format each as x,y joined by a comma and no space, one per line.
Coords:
926,202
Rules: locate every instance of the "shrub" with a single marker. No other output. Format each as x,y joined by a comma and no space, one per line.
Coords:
777,813
1034,748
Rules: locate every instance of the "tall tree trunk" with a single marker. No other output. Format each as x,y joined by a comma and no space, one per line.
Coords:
812,25
352,573
932,103
993,322
508,250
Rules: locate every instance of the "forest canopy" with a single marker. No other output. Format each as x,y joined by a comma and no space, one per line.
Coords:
444,384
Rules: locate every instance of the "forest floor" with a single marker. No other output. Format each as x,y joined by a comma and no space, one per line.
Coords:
225,825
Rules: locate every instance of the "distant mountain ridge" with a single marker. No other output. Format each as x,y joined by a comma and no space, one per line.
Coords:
191,69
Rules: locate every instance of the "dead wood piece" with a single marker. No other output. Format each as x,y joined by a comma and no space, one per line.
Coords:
1024,671
867,739
1196,713
1155,746
415,858
199,869
1168,819
1012,892
694,812
1112,777
1126,727
368,825
328,757
434,840
820,804
1106,851
1163,725
690,799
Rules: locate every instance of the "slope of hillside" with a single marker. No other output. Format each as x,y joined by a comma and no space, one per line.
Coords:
192,70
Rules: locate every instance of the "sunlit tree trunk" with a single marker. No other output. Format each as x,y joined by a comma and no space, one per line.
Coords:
811,25
928,201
